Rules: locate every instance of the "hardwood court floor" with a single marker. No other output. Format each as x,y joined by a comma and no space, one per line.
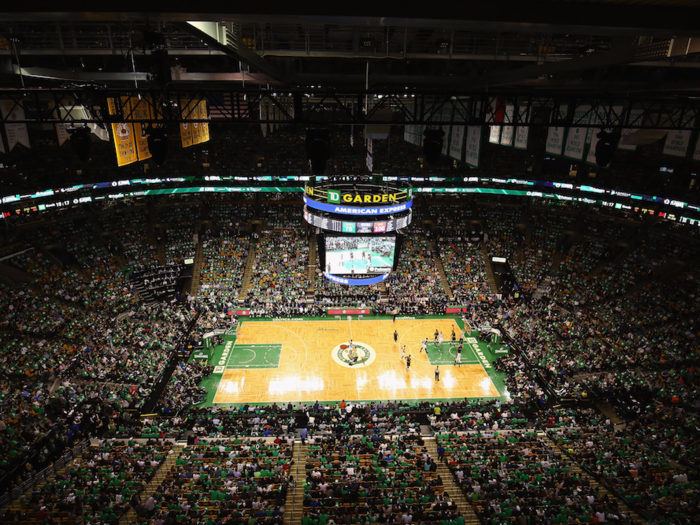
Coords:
307,370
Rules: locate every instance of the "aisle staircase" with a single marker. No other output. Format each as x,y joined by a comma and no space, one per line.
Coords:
294,505
441,271
489,269
452,489
541,288
633,245
197,269
61,467
152,488
247,274
160,251
603,491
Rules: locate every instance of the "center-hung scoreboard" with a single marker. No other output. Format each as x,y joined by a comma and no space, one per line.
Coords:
359,228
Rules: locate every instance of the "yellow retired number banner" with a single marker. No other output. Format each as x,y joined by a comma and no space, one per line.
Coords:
141,110
193,133
186,127
205,125
123,134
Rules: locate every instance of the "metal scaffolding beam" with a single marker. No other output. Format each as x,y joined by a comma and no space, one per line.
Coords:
333,107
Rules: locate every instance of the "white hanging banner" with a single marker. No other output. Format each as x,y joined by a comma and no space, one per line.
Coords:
677,142
555,135
507,131
522,133
576,137
16,133
495,134
62,134
636,116
471,155
457,142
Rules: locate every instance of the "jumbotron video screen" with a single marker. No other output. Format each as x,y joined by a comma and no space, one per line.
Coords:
359,255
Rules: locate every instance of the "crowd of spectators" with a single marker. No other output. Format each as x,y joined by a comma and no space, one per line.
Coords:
279,280
82,352
227,479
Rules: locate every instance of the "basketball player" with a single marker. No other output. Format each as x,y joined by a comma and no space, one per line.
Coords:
437,373
454,336
424,346
396,337
458,359
436,336
403,352
408,362
441,338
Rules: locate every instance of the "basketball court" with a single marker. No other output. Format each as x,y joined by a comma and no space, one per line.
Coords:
293,361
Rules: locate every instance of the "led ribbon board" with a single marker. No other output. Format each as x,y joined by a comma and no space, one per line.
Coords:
358,210
356,282
350,226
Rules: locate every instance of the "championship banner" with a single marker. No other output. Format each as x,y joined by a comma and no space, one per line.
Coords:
555,140
186,112
471,155
16,133
141,110
576,137
204,116
522,133
677,142
457,142
196,126
507,131
62,133
123,134
494,134
555,136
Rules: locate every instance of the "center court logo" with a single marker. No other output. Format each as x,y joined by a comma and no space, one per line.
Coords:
360,355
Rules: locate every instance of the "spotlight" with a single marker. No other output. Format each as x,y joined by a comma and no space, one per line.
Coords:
432,144
157,144
318,149
605,148
80,140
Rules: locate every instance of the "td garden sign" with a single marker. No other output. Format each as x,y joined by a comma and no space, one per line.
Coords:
348,197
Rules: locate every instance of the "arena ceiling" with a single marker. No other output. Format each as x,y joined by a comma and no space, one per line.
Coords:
576,46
